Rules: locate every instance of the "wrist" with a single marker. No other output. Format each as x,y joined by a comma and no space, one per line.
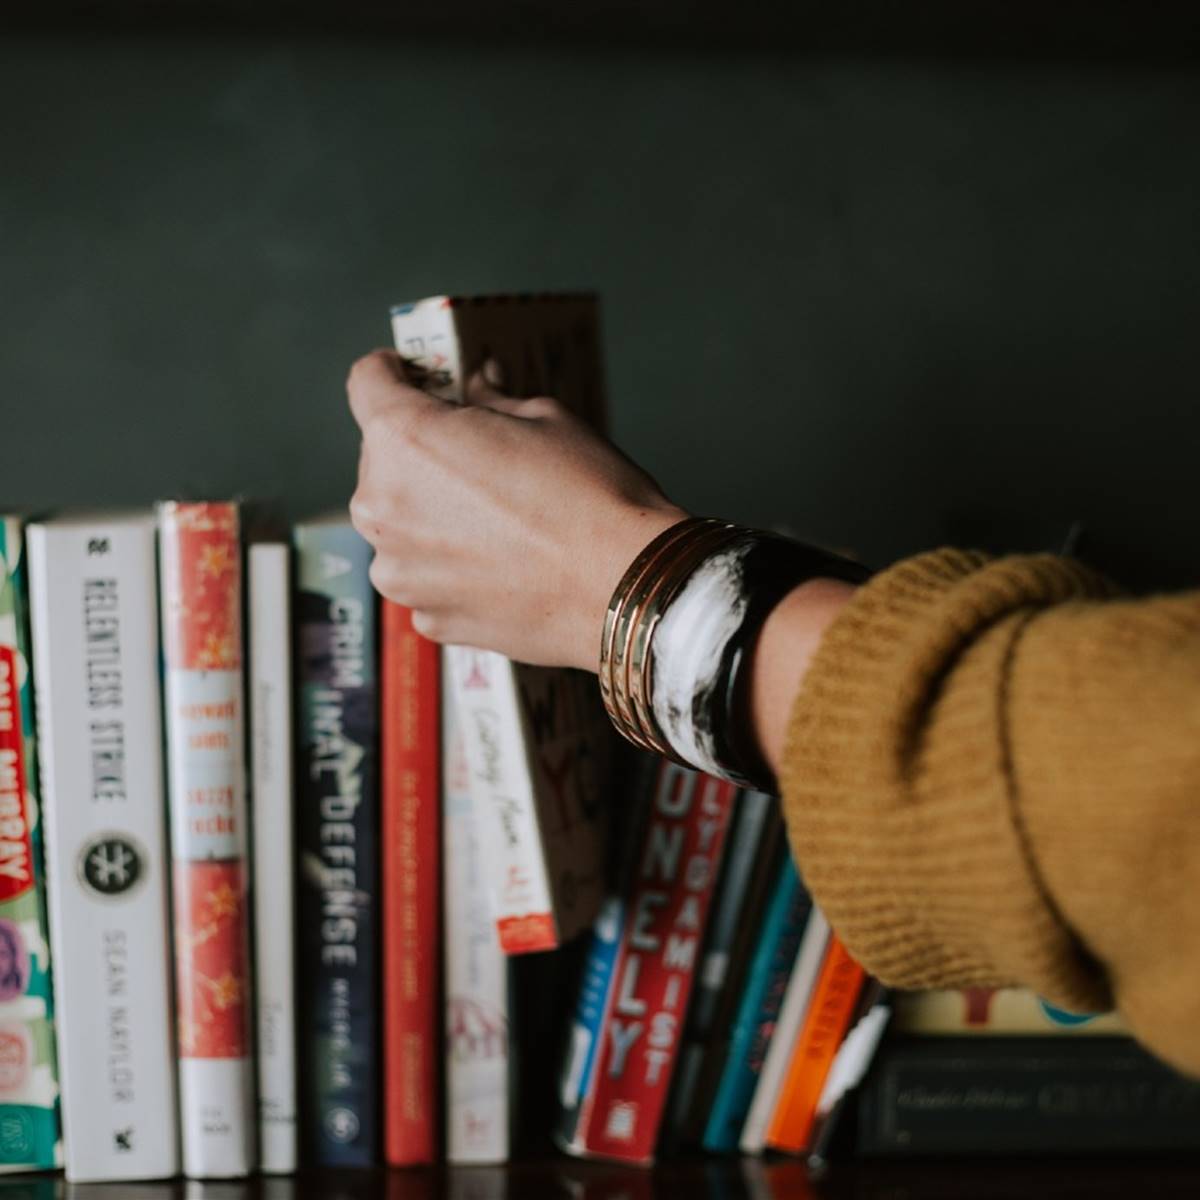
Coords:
681,632
605,559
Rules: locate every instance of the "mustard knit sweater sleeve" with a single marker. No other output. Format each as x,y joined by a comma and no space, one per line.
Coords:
992,776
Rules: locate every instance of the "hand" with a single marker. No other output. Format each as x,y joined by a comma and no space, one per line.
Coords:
504,524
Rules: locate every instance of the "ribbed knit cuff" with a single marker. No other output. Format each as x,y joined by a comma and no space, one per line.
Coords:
898,785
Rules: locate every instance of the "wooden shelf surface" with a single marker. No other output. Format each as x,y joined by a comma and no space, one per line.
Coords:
1100,1179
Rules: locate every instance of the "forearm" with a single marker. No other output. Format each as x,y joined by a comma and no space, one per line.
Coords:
789,639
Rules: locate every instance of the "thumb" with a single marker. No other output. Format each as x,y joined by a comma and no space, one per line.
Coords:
378,383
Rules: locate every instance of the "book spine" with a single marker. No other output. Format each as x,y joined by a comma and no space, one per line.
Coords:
478,1124
660,944
274,887
95,641
568,740
758,1010
338,830
990,1011
200,556
599,971
829,1016
736,911
485,695
1023,1095
850,1065
792,1014
29,1117
411,803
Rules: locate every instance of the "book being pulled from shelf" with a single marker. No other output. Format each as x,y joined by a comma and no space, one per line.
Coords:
537,739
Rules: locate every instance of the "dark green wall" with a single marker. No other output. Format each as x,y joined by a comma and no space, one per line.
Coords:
884,302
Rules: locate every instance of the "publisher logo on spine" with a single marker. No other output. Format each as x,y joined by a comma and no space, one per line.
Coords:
111,865
341,1124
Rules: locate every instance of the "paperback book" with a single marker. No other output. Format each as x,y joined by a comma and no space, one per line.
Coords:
478,1120
269,579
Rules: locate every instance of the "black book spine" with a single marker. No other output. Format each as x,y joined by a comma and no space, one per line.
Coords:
1019,1095
732,935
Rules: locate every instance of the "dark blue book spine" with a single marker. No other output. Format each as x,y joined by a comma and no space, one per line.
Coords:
338,963
762,996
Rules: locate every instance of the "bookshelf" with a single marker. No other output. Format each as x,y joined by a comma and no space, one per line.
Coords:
204,249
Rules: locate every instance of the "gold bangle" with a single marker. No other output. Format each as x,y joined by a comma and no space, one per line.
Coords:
639,668
615,633
658,574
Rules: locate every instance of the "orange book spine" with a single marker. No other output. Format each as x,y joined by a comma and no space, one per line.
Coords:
829,1015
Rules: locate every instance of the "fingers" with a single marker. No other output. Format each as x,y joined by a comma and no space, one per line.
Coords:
378,385
482,392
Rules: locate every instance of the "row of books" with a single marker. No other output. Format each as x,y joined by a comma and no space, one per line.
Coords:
440,915
227,991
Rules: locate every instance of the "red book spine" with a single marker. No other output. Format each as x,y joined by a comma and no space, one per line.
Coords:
411,890
656,961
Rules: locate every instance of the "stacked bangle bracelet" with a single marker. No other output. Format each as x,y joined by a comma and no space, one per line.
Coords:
678,635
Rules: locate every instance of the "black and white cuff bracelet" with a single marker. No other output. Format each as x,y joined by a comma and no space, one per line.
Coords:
679,635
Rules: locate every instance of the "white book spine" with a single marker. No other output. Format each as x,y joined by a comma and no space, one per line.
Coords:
476,973
95,638
787,1028
274,885
484,686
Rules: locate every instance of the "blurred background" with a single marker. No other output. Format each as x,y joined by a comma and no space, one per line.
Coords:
886,275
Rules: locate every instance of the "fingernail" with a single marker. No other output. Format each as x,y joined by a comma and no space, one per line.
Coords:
493,374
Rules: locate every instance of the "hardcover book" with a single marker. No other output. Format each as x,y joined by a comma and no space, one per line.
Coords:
754,839
623,1096
991,1011
94,609
411,802
478,1118
274,887
201,578
758,1009
338,834
1017,1095
537,739
29,1119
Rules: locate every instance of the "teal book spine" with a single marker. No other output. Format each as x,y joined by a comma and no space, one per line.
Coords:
338,823
30,1132
762,995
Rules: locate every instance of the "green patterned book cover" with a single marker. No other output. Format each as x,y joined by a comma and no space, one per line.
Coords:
29,1117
